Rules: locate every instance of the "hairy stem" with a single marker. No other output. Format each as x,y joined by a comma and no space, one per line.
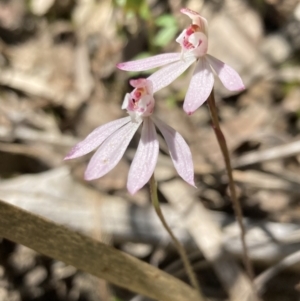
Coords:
178,245
236,204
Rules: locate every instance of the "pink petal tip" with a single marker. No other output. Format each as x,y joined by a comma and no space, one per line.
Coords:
73,153
189,112
120,66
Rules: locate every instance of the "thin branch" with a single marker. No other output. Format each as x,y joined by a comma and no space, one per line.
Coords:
178,245
277,152
273,271
236,204
209,238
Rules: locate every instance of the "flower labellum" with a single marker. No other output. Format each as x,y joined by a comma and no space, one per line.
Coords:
113,138
194,45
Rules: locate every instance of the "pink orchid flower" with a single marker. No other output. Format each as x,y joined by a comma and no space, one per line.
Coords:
194,44
114,137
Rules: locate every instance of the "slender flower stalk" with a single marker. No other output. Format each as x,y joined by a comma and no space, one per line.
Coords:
194,46
236,204
184,257
113,138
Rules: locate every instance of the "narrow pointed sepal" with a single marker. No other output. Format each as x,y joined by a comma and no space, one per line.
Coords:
149,62
111,151
96,138
145,159
166,75
179,151
200,87
228,76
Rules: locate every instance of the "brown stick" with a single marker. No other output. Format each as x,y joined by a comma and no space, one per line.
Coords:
209,239
236,204
180,248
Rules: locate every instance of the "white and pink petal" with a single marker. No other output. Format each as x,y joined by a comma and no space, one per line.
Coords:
142,83
145,159
200,87
111,151
166,75
150,62
228,76
200,42
179,151
96,138
196,19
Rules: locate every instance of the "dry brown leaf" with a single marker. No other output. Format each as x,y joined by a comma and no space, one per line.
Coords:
89,255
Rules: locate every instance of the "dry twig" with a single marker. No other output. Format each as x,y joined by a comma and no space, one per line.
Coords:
235,201
263,278
208,238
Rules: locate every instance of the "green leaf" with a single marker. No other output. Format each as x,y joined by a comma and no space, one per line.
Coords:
165,36
167,32
144,11
134,5
121,3
166,21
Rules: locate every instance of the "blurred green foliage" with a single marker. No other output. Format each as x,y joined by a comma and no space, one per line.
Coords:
116,299
162,30
167,32
138,7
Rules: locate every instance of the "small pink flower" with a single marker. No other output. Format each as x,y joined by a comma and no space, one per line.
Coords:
194,44
114,137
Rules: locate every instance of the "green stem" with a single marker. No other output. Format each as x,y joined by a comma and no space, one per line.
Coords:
236,204
178,245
